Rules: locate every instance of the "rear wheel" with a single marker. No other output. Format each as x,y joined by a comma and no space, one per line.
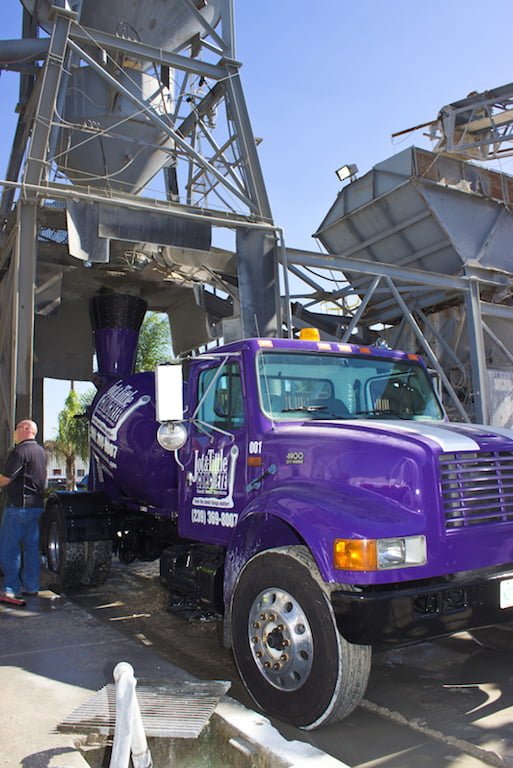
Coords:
499,638
98,560
65,559
290,655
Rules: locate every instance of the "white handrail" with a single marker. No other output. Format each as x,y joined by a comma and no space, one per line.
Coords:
129,736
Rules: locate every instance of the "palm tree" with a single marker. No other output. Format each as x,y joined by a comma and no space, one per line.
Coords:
72,434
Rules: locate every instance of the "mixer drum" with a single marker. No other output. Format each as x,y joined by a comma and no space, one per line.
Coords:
126,460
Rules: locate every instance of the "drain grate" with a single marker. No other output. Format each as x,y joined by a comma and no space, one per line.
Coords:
170,710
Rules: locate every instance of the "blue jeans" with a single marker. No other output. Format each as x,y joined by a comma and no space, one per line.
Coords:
19,548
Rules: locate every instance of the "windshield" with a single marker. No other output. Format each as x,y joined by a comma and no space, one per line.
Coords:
302,385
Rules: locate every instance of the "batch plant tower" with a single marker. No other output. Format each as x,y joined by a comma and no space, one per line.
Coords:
133,170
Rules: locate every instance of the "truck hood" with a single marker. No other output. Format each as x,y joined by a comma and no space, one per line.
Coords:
449,437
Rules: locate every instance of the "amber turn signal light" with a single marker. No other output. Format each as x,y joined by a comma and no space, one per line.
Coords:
355,554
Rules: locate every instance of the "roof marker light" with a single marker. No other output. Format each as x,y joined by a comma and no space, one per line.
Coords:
309,334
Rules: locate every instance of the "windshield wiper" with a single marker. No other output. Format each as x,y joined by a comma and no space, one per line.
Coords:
374,413
304,409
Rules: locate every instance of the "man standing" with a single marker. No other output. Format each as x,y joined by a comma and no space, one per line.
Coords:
24,477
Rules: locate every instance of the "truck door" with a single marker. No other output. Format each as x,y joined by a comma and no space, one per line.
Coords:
213,487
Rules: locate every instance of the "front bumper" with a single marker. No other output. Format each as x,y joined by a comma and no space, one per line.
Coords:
408,613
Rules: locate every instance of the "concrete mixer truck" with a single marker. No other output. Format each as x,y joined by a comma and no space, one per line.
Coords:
312,492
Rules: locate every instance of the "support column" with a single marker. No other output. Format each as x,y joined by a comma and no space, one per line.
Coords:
477,352
258,284
8,304
26,247
25,306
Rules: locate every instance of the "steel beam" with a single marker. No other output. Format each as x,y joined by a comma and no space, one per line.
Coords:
477,353
8,294
26,247
258,286
37,165
67,192
361,309
372,268
145,52
503,348
247,144
427,350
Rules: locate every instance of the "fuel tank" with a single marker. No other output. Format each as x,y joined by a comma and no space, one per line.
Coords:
126,460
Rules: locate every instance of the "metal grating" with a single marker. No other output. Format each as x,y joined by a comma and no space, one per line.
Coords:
171,710
477,488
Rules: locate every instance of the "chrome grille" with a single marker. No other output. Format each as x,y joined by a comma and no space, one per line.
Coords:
477,488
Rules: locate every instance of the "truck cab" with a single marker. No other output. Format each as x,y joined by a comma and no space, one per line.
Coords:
336,463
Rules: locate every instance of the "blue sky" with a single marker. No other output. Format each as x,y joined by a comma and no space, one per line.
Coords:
327,83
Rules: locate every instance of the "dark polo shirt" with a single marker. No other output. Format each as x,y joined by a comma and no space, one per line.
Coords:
26,466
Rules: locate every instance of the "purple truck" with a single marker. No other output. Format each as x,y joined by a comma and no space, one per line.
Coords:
313,493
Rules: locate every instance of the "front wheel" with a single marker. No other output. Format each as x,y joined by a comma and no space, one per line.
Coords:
289,653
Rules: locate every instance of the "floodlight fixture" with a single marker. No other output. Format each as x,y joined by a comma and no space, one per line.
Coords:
347,172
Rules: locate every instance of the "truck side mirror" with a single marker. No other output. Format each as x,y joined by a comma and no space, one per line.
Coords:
169,392
171,434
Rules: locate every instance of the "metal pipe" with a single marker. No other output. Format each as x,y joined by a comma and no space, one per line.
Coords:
129,736
17,51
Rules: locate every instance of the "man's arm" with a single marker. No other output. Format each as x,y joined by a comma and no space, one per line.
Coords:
12,468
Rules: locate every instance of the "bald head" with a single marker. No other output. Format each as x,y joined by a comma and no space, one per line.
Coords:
25,430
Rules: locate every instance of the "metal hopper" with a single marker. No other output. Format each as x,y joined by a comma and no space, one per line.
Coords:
427,212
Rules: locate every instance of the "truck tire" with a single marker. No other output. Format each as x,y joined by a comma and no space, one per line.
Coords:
65,559
499,638
289,653
98,560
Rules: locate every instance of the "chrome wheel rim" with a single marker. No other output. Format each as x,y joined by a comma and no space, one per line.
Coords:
280,639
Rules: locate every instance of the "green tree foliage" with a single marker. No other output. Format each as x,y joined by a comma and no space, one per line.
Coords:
154,342
72,437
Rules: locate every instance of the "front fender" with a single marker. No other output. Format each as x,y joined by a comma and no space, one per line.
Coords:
311,514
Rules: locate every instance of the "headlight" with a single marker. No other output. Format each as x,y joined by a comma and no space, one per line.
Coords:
410,550
379,554
171,435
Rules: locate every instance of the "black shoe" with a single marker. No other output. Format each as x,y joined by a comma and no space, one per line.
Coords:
31,594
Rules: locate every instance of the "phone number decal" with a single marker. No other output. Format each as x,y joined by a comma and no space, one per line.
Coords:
214,517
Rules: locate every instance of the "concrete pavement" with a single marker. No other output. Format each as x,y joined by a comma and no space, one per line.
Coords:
54,656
